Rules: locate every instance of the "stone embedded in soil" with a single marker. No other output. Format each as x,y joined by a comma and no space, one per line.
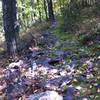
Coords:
68,53
15,90
48,95
69,93
13,64
59,53
54,61
68,97
56,83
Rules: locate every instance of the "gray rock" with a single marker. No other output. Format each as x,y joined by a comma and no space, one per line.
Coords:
18,64
56,83
69,93
48,95
68,97
59,53
34,66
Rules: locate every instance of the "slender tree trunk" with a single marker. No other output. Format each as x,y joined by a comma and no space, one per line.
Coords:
63,3
40,16
50,10
60,5
45,9
32,17
10,25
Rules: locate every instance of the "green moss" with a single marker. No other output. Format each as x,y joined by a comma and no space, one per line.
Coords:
68,41
73,42
2,50
52,56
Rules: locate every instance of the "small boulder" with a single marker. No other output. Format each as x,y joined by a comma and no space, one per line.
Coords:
48,95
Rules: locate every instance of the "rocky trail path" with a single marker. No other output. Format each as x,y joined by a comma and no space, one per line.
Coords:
44,74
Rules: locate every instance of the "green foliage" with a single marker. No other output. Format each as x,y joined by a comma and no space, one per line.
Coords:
73,12
97,8
70,16
85,39
68,41
85,43
29,12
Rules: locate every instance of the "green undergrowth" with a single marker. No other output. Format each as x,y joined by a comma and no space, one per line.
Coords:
73,42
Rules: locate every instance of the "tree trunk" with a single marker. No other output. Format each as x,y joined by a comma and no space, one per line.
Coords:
60,5
32,3
45,9
39,10
50,10
10,25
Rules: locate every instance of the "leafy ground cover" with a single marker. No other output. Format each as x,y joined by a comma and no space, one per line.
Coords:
58,65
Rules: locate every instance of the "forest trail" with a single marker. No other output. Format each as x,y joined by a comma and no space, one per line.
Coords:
50,50
43,72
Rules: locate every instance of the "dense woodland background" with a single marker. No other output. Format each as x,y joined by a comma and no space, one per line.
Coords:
77,17
51,41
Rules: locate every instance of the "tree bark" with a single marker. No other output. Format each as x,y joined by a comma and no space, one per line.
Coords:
45,9
50,10
60,4
10,25
39,10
